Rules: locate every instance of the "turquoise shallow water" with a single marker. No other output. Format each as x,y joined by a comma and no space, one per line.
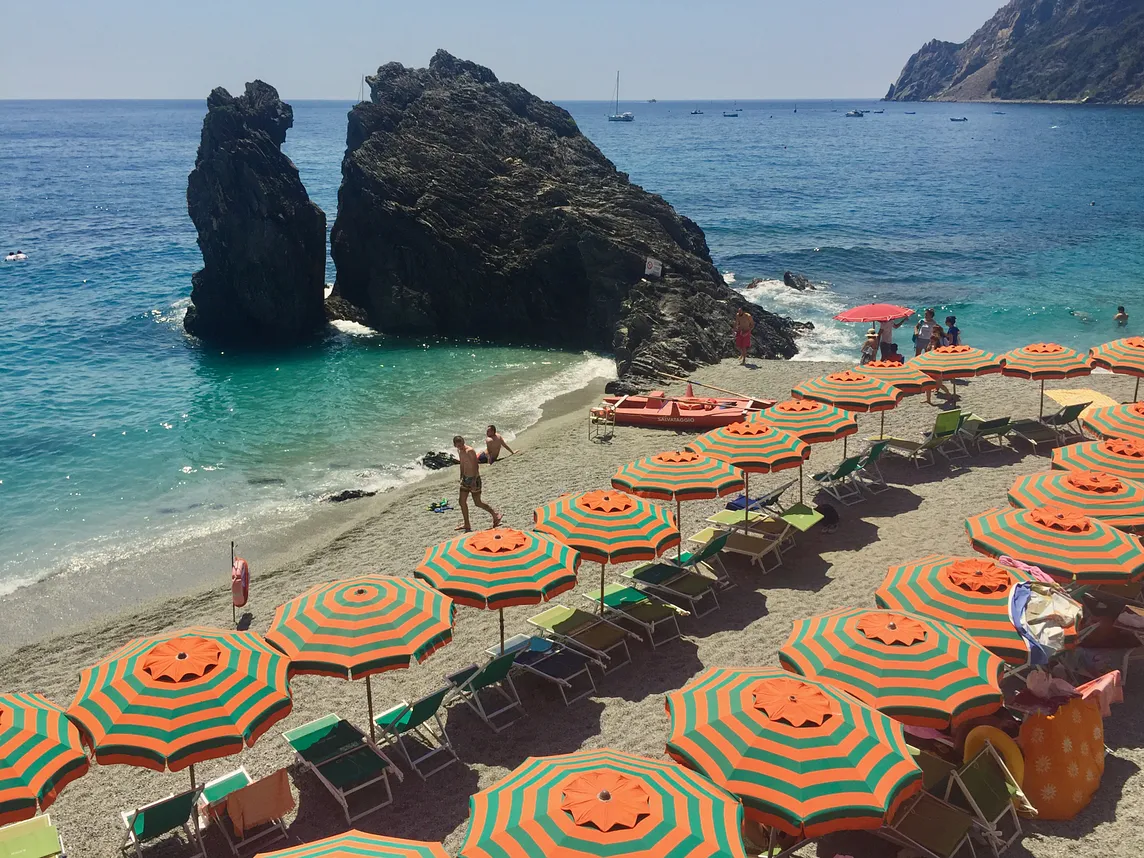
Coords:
117,432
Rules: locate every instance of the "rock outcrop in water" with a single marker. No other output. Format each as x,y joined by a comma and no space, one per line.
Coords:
1037,50
471,208
263,241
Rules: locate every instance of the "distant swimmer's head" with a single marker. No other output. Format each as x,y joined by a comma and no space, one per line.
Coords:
459,441
1121,310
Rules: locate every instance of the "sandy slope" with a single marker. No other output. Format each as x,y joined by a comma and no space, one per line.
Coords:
922,514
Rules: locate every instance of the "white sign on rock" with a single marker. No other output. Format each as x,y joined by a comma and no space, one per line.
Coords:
653,268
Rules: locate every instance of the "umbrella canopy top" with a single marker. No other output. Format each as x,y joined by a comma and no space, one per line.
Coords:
500,568
875,313
1061,541
810,421
918,670
609,526
1122,457
679,476
180,698
361,626
1045,362
802,755
908,379
1124,356
1117,421
40,754
946,362
854,391
970,592
1098,495
753,447
602,803
358,844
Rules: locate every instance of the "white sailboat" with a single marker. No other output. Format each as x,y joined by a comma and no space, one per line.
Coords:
616,116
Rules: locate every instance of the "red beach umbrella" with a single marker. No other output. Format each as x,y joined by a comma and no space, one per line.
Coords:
875,313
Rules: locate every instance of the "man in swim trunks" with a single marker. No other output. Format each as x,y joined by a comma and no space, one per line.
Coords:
471,484
743,325
494,443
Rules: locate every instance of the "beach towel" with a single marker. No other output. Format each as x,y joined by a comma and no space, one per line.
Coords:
1041,613
1072,395
263,801
1105,690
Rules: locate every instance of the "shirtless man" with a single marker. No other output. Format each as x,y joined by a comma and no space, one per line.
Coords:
743,325
471,484
494,443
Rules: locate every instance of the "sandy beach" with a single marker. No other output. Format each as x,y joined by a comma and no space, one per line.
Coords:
53,629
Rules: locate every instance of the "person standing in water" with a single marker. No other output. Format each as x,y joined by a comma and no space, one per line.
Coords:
742,327
1121,316
886,337
923,333
471,484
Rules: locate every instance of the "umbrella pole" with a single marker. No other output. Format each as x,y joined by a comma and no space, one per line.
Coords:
800,482
602,566
1042,414
679,525
369,703
1136,395
192,775
882,431
746,498
501,612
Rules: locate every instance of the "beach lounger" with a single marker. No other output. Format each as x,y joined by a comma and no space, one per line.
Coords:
1035,433
627,604
31,838
801,517
841,483
247,811
344,760
764,524
566,668
763,503
605,641
1066,422
757,547
489,691
418,733
869,474
161,817
986,434
943,438
933,827
985,788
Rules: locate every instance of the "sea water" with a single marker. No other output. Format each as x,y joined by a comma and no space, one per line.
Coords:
118,433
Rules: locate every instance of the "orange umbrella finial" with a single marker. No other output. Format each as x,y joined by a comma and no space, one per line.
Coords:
606,799
892,629
1061,518
606,502
1125,447
1095,482
799,406
500,541
676,457
798,703
848,377
180,660
982,576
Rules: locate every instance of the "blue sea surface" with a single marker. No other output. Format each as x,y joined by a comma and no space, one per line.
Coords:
119,433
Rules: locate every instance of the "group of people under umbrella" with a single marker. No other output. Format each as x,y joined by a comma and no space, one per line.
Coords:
931,655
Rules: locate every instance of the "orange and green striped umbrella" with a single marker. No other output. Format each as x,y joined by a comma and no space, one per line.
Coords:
920,671
854,391
803,756
40,754
176,699
500,568
904,377
1117,421
357,627
1045,362
752,447
1066,545
809,421
1121,457
609,527
947,362
970,592
358,844
1104,497
1124,357
602,804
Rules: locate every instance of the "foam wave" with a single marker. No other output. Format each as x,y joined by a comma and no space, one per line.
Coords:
728,277
830,340
353,329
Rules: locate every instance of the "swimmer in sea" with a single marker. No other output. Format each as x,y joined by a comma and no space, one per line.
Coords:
1121,316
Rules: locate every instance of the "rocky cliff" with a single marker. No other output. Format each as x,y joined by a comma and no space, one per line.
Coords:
1037,50
471,208
263,241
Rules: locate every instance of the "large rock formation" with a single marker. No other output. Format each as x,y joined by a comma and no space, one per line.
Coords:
263,241
1037,50
471,208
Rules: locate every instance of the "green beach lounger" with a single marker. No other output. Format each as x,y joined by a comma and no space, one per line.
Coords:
489,691
842,483
986,434
933,827
1066,422
627,604
869,474
161,817
985,788
1035,433
765,524
344,760
567,669
940,439
678,585
603,640
418,733
213,803
31,838
749,543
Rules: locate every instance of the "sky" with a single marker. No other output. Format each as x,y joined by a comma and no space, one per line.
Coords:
670,49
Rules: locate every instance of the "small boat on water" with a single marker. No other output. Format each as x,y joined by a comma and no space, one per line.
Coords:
911,113
733,113
657,410
855,114
879,111
998,112
616,116
651,101
697,112
959,119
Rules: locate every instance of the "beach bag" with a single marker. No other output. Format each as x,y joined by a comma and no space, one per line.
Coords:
239,582
1064,758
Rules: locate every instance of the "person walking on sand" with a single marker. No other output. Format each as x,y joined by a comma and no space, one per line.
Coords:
743,325
494,443
471,484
